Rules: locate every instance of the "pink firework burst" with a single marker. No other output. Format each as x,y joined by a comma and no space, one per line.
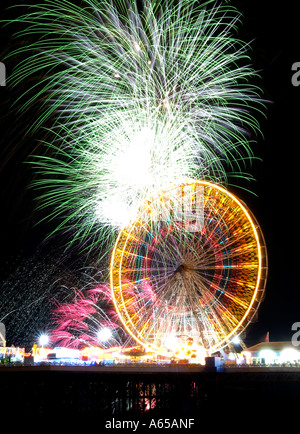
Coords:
77,324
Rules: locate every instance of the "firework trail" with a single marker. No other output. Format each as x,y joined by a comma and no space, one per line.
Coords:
140,99
41,293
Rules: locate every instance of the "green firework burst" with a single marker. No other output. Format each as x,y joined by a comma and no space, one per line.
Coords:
139,97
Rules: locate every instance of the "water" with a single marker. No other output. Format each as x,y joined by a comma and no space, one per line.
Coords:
180,398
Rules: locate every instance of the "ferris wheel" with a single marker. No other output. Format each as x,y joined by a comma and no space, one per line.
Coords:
189,273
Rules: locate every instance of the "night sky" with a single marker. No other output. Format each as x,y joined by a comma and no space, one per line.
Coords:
29,265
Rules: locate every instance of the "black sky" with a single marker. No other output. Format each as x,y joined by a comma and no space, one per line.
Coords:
273,29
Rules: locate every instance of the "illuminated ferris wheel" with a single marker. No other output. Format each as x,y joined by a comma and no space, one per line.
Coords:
189,273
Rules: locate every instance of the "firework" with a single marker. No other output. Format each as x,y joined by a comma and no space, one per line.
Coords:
138,99
87,320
